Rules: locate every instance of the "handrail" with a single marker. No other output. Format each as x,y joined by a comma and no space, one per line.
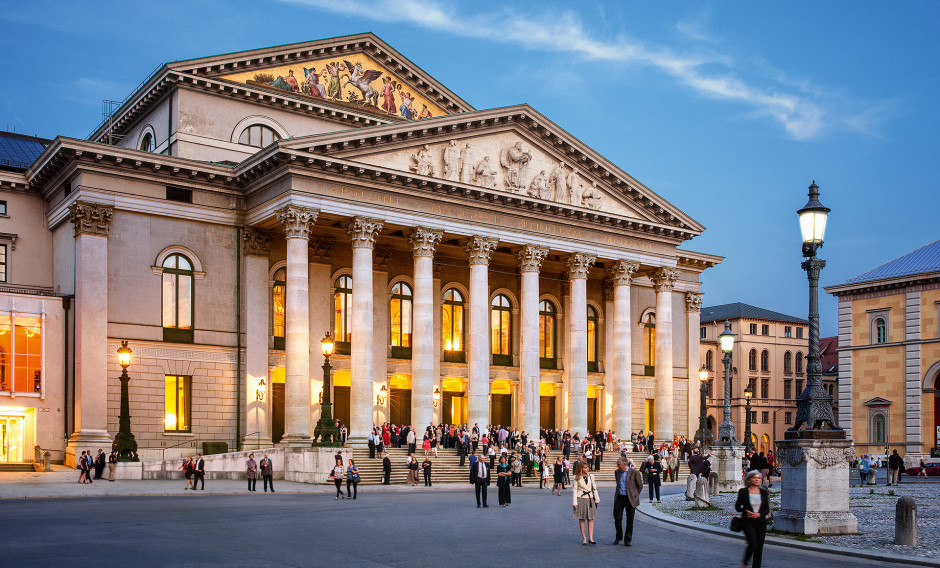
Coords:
183,443
42,457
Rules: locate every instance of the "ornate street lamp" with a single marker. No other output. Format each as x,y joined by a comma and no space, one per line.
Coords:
124,443
326,434
382,396
436,396
748,393
726,428
704,434
814,404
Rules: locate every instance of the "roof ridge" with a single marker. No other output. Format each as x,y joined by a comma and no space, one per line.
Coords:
857,279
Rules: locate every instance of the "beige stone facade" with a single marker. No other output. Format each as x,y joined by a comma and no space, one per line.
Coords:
265,217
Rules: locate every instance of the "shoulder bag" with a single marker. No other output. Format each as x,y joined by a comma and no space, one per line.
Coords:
735,524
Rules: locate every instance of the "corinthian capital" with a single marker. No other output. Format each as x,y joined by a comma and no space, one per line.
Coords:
622,271
579,264
693,302
255,242
664,278
297,221
362,231
479,249
424,240
531,257
91,218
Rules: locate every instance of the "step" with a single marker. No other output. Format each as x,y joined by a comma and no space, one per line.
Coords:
16,467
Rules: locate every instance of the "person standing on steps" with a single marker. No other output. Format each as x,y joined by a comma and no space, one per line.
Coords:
199,472
411,440
754,505
251,473
267,473
480,478
386,470
503,479
372,444
584,501
426,467
558,472
627,498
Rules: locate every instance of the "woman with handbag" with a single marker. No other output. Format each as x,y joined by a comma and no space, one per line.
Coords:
337,476
584,500
754,505
352,477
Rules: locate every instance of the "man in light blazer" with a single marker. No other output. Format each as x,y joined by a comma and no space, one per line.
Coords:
628,485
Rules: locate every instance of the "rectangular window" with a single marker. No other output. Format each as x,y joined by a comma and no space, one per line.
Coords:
3,263
753,417
703,332
765,388
21,354
788,418
752,384
711,388
787,390
765,417
799,387
3,207
179,194
765,329
753,329
799,333
176,409
787,331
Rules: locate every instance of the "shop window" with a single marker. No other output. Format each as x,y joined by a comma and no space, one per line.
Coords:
452,326
342,308
178,299
546,335
21,353
278,303
177,403
501,330
649,345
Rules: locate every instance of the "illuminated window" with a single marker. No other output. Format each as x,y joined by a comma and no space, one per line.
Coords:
176,403
452,326
21,354
258,135
787,362
177,299
649,345
752,360
799,362
592,339
400,311
546,335
501,330
764,360
342,306
279,297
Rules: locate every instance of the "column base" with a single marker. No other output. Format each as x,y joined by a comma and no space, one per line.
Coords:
814,493
729,467
295,441
256,442
86,440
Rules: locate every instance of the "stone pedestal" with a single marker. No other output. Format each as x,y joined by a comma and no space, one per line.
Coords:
815,487
728,461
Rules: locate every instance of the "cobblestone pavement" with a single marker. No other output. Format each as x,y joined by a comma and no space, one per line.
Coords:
872,505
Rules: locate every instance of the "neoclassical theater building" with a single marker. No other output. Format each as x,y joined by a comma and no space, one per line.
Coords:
473,266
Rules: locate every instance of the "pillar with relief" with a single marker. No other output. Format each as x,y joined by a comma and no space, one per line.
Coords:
362,232
663,281
255,247
693,308
621,273
530,261
297,222
479,249
423,242
579,265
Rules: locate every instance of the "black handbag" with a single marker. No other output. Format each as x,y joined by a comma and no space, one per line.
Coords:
735,524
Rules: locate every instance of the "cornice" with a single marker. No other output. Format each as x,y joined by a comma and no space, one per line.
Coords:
914,281
697,261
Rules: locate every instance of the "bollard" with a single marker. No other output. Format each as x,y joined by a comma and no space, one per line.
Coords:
45,462
905,522
713,482
690,487
702,499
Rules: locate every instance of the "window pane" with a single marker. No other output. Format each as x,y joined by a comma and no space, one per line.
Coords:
395,309
170,261
406,323
504,333
339,327
458,328
169,404
279,293
182,403
447,338
169,300
549,337
6,358
495,337
183,263
591,341
185,302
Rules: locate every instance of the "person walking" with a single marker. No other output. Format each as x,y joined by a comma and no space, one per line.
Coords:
267,473
546,470
426,468
199,472
337,476
627,498
754,505
386,470
653,470
864,466
480,478
584,501
895,463
188,467
251,473
83,469
112,464
352,478
100,461
503,481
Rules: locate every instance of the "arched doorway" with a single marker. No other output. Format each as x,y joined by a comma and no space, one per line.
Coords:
764,443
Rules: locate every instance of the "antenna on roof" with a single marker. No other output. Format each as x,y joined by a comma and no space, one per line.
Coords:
108,109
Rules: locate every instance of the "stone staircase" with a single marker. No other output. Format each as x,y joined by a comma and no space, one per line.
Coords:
17,467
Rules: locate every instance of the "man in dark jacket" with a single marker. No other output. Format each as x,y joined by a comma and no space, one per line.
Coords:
386,470
895,465
267,473
696,463
650,442
626,497
480,478
200,472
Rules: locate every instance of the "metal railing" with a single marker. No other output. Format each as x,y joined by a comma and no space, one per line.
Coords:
41,459
181,444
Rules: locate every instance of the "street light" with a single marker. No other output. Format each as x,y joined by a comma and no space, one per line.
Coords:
814,404
382,396
326,434
748,393
124,443
704,434
726,428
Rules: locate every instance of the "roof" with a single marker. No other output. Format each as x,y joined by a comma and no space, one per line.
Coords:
829,354
20,151
740,310
923,260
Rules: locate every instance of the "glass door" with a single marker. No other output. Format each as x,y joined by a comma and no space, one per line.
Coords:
11,438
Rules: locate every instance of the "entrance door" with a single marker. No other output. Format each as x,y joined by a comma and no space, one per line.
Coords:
592,416
501,409
341,405
277,412
454,409
547,410
649,414
11,438
399,406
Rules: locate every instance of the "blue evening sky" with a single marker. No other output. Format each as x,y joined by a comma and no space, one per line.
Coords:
726,109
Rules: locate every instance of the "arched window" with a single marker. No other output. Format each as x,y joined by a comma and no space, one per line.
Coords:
764,360
752,360
452,326
592,339
278,303
878,429
501,330
799,362
342,307
258,135
787,362
881,330
177,299
400,312
709,360
649,345
546,335
147,143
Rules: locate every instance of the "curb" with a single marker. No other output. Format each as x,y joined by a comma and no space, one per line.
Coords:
652,513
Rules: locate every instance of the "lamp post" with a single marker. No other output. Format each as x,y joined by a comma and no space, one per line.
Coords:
704,434
726,428
326,434
748,393
124,443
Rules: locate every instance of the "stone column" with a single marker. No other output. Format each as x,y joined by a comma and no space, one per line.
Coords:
423,242
479,249
621,273
297,222
579,265
321,306
530,261
256,246
693,309
380,332
92,226
362,232
663,281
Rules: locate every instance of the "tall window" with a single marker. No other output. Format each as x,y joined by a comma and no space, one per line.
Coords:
649,345
878,429
799,387
788,418
787,331
765,388
546,335
592,339
787,362
764,360
765,329
400,310
753,329
765,417
147,143
278,301
176,403
342,305
881,330
787,389
3,263
709,360
452,326
799,362
258,135
501,330
703,332
177,299
752,360
21,354
799,333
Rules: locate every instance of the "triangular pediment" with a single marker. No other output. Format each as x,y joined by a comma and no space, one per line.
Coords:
877,401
